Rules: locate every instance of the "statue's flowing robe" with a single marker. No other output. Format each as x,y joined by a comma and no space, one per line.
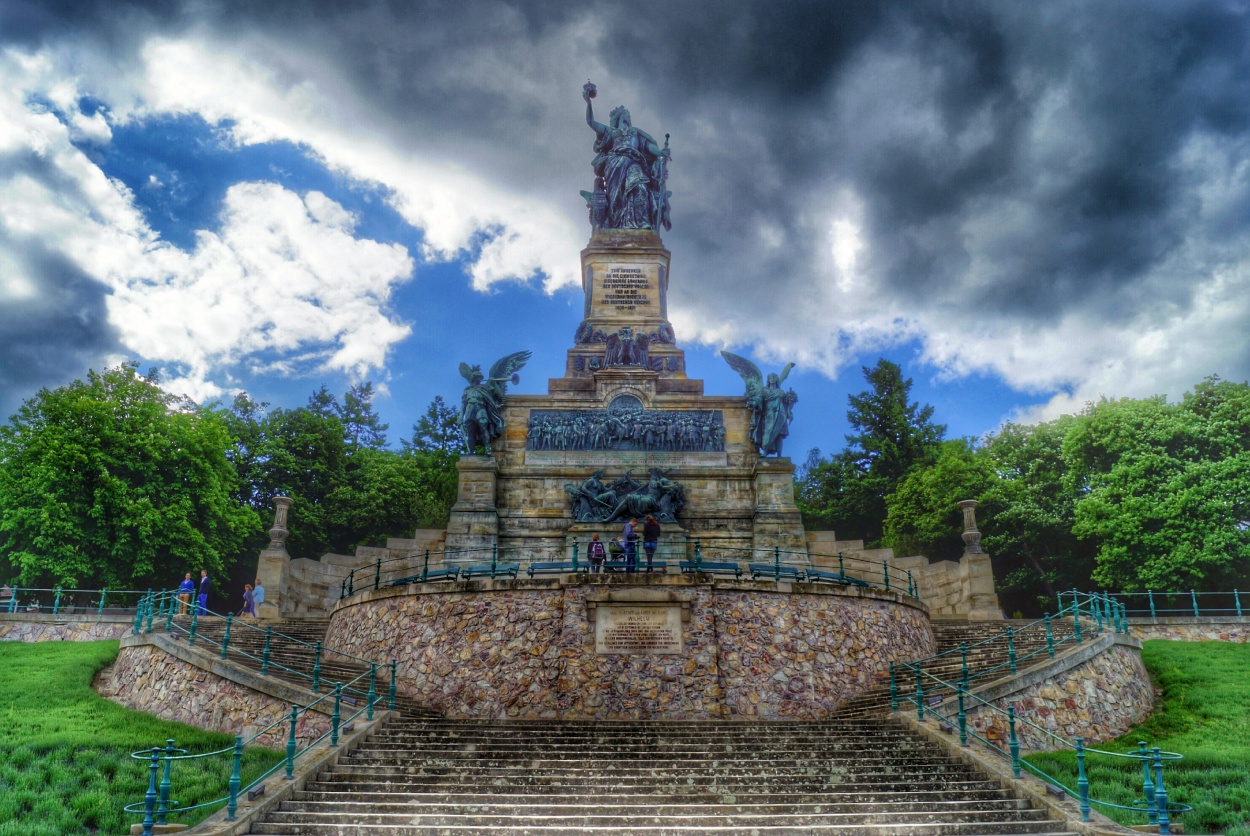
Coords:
626,179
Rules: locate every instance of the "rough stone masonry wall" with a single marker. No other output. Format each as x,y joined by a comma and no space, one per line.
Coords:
527,650
1099,699
146,678
1235,630
66,631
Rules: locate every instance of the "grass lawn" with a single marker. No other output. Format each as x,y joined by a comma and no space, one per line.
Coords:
1204,714
65,763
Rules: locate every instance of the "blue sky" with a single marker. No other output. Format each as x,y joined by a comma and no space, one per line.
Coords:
1025,208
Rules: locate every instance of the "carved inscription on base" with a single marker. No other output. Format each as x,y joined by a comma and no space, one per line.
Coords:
639,631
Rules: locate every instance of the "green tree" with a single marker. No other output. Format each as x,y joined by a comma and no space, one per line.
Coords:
848,491
113,482
923,516
437,430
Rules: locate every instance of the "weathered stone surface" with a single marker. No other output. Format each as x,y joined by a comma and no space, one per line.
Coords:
1099,699
146,678
13,630
526,650
1236,630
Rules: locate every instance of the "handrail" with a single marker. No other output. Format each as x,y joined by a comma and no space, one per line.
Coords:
502,560
155,806
62,599
1095,607
1155,803
1189,604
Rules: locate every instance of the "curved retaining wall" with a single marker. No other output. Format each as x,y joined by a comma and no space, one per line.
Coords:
38,627
526,649
1207,629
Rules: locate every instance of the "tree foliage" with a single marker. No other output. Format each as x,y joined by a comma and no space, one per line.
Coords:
110,482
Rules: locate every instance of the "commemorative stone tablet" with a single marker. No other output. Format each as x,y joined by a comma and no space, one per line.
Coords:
638,630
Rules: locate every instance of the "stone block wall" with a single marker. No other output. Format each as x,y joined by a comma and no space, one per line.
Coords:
146,678
526,649
21,627
1098,691
1227,629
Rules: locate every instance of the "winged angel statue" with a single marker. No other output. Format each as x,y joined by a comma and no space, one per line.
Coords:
771,409
481,414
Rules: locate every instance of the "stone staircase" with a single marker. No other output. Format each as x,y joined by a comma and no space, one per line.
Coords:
949,635
870,777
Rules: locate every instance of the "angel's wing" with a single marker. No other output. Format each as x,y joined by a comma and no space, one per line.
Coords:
747,370
505,367
784,373
466,371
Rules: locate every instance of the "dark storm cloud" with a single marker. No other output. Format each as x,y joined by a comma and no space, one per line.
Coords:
1060,135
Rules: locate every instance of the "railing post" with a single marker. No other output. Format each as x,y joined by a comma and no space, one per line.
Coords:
290,745
149,798
1059,601
1151,597
151,609
100,609
919,694
698,556
1011,650
342,589
236,778
13,600
963,670
316,679
841,571
911,585
494,558
1237,602
138,614
195,618
777,564
1095,610
264,656
425,567
1147,785
1161,795
1082,782
169,616
574,557
377,573
162,809
1050,638
1193,596
963,719
351,583
225,640
56,602
1076,616
337,717
390,691
893,689
885,569
373,688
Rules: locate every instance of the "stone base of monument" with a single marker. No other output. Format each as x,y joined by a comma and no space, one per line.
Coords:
633,646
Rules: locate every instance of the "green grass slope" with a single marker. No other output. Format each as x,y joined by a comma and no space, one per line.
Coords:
1204,714
65,765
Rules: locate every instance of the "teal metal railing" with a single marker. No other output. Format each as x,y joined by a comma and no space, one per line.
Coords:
953,714
157,806
62,601
495,562
1099,612
1186,604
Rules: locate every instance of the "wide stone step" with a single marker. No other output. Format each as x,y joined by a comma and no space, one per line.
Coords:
604,797
1037,828
709,818
630,806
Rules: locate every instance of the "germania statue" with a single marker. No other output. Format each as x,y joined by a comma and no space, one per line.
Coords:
631,172
481,413
772,410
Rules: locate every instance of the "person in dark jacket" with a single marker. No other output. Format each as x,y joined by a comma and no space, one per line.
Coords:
650,539
205,585
597,554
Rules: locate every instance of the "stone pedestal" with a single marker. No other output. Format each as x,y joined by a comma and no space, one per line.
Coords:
473,527
777,523
273,564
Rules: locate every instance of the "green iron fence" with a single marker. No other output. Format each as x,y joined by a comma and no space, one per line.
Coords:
62,601
511,562
1186,604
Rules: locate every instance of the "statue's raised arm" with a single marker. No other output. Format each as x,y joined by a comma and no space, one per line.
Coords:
631,173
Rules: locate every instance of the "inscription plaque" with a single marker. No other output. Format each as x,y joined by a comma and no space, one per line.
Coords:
638,631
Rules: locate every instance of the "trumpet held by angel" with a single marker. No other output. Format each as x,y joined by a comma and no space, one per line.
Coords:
481,403
772,410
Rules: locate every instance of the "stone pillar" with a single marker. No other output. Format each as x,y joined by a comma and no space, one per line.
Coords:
976,574
777,522
271,566
474,523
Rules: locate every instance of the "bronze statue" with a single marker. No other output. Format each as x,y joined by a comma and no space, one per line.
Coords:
631,173
772,410
626,497
481,413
